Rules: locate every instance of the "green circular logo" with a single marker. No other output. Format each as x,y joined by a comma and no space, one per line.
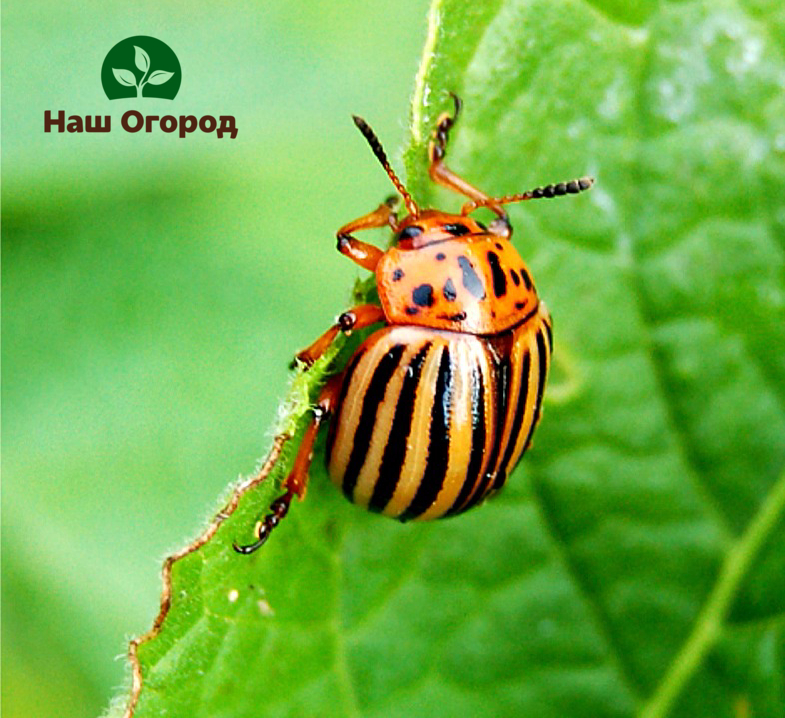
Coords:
141,66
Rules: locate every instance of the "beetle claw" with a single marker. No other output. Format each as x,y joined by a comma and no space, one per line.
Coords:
278,510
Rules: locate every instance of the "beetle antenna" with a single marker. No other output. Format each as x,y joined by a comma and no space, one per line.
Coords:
378,150
552,190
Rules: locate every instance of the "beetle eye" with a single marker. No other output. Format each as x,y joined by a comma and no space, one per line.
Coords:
410,232
456,229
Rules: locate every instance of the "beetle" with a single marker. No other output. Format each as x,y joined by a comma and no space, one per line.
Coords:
436,407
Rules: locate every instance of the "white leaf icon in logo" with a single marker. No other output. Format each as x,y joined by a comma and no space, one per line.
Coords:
159,77
124,77
142,59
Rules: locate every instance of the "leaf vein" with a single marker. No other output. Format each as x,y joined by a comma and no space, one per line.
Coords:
712,616
591,600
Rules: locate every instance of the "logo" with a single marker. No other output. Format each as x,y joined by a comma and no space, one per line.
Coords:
141,66
136,67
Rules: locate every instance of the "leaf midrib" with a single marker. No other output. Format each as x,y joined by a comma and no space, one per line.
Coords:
711,619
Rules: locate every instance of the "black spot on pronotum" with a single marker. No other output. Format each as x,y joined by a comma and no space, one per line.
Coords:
459,317
456,230
449,291
441,256
411,311
397,274
410,232
422,296
499,246
471,281
499,278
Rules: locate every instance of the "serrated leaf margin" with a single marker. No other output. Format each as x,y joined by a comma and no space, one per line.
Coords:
137,677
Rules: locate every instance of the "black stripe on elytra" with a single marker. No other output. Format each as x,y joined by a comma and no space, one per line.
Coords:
438,442
478,440
336,412
499,277
503,379
549,332
526,277
395,449
374,395
470,279
520,412
542,367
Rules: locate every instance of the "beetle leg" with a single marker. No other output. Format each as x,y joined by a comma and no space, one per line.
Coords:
297,481
443,175
358,317
364,254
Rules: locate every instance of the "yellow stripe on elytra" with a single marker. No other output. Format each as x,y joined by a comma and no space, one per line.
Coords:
369,474
417,451
348,419
531,394
463,354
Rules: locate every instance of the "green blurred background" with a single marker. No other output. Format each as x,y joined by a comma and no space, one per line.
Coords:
154,290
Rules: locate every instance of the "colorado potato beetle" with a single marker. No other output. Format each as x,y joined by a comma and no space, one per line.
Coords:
436,407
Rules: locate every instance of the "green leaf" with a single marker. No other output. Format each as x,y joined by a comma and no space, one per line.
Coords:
635,562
